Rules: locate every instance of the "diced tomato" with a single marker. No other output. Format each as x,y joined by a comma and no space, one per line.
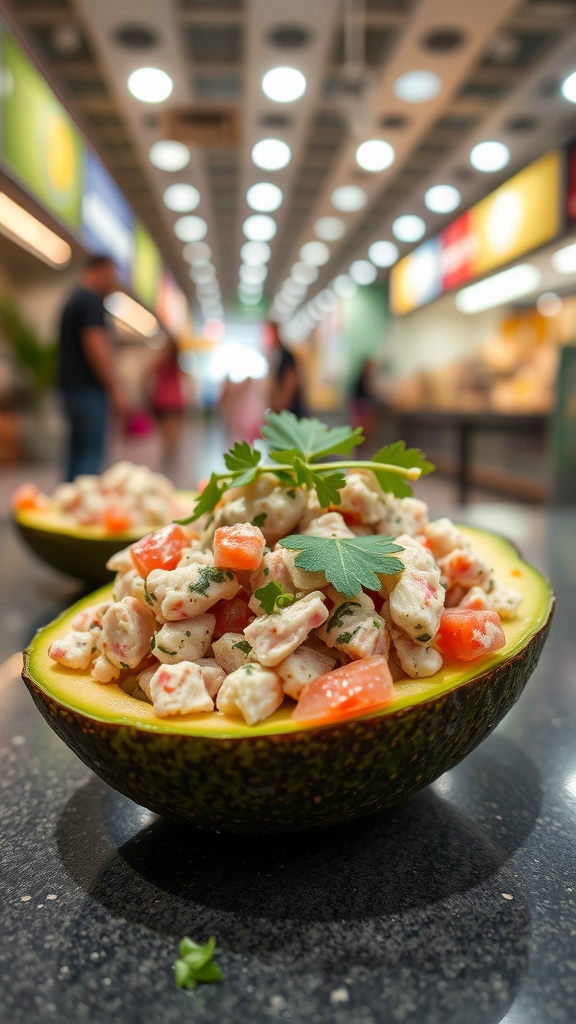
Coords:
159,550
468,633
423,540
238,547
346,691
231,616
349,517
117,519
27,496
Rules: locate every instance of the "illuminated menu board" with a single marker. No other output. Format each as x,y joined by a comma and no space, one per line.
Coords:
522,214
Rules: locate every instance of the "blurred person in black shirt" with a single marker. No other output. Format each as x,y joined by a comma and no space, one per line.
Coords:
286,390
86,374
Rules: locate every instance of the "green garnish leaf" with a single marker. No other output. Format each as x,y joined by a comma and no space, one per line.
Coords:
243,459
260,519
273,597
398,454
342,611
195,964
206,501
349,563
243,646
311,438
207,575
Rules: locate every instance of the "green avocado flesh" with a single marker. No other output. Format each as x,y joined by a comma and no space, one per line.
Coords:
76,550
218,772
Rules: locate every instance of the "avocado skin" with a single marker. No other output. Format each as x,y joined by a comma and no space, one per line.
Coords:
82,557
293,781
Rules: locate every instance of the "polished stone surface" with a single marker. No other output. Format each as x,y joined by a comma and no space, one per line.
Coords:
458,907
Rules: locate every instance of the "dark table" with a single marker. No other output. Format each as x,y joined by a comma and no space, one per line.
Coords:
458,907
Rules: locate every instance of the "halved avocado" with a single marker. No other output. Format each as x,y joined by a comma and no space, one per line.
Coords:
80,551
215,771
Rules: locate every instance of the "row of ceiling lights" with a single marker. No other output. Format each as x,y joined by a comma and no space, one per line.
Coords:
286,85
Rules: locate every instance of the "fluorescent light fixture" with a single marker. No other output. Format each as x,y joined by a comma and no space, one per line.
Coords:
349,198
375,155
490,156
408,228
326,301
271,154
383,253
255,253
264,197
568,88
344,286
169,155
294,289
315,253
284,85
506,286
181,197
259,228
130,313
304,273
208,292
252,275
203,273
249,298
362,272
190,229
442,198
564,259
197,252
150,85
329,229
31,234
417,86
549,304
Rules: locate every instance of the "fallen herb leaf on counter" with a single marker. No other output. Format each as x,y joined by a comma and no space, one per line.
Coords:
195,964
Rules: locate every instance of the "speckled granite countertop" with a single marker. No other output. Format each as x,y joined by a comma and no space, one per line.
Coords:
458,907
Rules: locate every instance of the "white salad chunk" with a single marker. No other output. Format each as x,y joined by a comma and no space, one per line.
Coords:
185,640
179,690
251,691
274,637
189,591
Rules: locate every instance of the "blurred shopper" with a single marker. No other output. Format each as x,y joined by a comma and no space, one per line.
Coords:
363,401
286,391
86,374
168,399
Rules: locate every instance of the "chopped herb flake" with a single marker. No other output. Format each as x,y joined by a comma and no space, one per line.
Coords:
207,575
343,611
243,646
260,519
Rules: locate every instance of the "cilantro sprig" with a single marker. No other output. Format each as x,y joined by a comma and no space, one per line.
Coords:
195,964
298,449
348,563
273,597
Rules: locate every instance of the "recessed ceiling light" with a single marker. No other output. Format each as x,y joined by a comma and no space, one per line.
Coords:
568,88
326,300
197,252
169,155
375,155
203,273
264,197
304,273
180,197
417,86
255,253
349,198
208,290
549,304
190,229
344,286
251,288
294,289
490,156
252,275
284,85
316,253
408,228
442,198
564,259
150,85
383,254
249,298
500,288
259,228
362,272
271,154
329,228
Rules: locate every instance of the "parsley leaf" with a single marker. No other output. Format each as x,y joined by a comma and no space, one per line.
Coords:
326,482
310,437
398,454
207,500
243,459
273,597
195,964
349,563
243,646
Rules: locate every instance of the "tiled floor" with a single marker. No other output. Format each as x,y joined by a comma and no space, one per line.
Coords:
31,592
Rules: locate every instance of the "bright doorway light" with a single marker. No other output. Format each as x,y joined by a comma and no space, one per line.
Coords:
500,288
150,85
284,85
